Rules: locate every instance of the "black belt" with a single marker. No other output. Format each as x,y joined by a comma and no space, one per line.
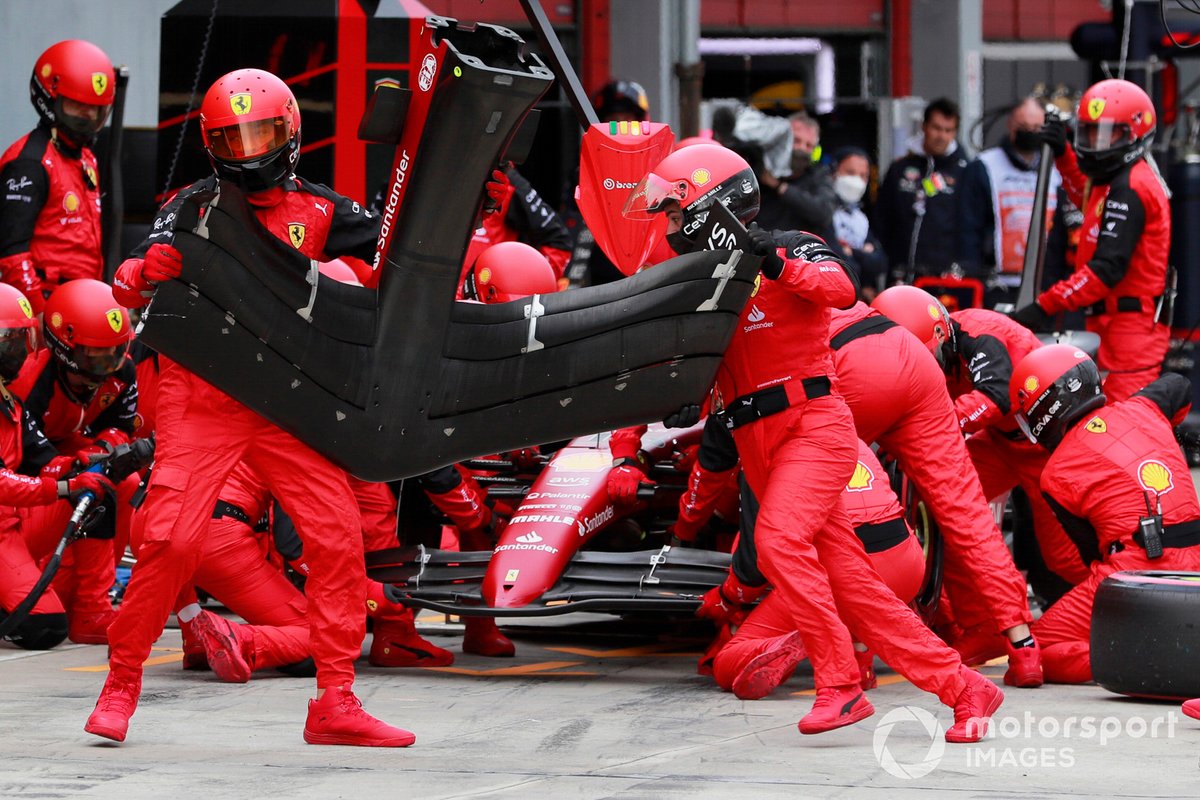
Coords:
1125,305
879,536
1184,534
857,330
765,402
223,509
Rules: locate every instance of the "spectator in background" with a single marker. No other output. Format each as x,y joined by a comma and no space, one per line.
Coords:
804,200
917,209
996,202
851,174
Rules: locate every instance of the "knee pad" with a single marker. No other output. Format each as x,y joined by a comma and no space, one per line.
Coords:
40,632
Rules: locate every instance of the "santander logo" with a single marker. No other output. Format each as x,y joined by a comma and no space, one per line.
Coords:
529,538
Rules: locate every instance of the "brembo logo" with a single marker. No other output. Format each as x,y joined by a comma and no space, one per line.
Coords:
393,201
611,184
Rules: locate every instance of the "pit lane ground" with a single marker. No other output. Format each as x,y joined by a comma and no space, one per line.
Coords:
589,708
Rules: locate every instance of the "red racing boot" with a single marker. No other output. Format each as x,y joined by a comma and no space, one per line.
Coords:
1024,666
118,700
1192,708
396,643
483,638
338,718
90,628
229,648
835,707
974,707
770,668
866,669
194,657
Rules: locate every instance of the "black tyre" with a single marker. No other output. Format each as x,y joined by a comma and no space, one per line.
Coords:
1146,634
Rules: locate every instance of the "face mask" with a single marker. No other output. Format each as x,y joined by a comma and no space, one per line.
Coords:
1026,141
850,188
801,160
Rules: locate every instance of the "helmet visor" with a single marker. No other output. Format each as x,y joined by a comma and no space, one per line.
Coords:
83,118
651,195
14,347
249,140
99,362
1095,137
1023,424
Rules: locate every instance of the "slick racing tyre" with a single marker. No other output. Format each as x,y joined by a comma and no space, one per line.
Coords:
1146,634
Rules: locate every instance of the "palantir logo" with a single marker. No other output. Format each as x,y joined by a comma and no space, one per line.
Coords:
909,768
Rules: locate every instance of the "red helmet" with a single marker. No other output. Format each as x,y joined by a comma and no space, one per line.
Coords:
17,325
922,314
1051,389
696,177
1115,125
688,141
72,87
509,271
250,124
87,329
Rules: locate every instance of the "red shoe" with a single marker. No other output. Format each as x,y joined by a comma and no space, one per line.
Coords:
835,707
770,668
90,628
484,638
194,657
866,669
1192,708
229,648
118,700
338,718
979,645
1024,667
397,644
973,708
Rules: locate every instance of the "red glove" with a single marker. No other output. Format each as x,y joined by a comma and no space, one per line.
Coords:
499,191
623,483
58,468
162,263
18,270
111,438
92,482
130,287
729,603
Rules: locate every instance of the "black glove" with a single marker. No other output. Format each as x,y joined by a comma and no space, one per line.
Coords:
1033,317
1054,133
762,243
93,483
685,417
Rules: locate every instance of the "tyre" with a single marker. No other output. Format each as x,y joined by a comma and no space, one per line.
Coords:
1146,634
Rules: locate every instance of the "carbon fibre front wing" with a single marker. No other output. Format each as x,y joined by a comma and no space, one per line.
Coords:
667,579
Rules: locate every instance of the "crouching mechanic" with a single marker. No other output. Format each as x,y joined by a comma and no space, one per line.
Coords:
796,440
1117,479
204,433
82,391
28,500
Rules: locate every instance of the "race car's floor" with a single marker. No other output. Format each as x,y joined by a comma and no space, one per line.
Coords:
586,710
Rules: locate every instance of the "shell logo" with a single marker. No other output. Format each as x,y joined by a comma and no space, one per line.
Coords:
1031,384
933,312
1155,476
582,462
56,320
485,275
1095,107
701,176
1096,425
862,479
46,70
71,202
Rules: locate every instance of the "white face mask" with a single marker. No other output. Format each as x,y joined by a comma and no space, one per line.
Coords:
850,188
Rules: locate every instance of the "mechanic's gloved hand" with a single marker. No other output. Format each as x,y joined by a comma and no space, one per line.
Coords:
623,483
162,263
685,417
1054,133
809,247
499,191
683,532
525,458
729,603
93,482
58,468
762,243
1033,317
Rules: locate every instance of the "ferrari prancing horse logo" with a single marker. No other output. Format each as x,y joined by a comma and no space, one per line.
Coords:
1095,107
99,83
240,103
115,320
296,234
